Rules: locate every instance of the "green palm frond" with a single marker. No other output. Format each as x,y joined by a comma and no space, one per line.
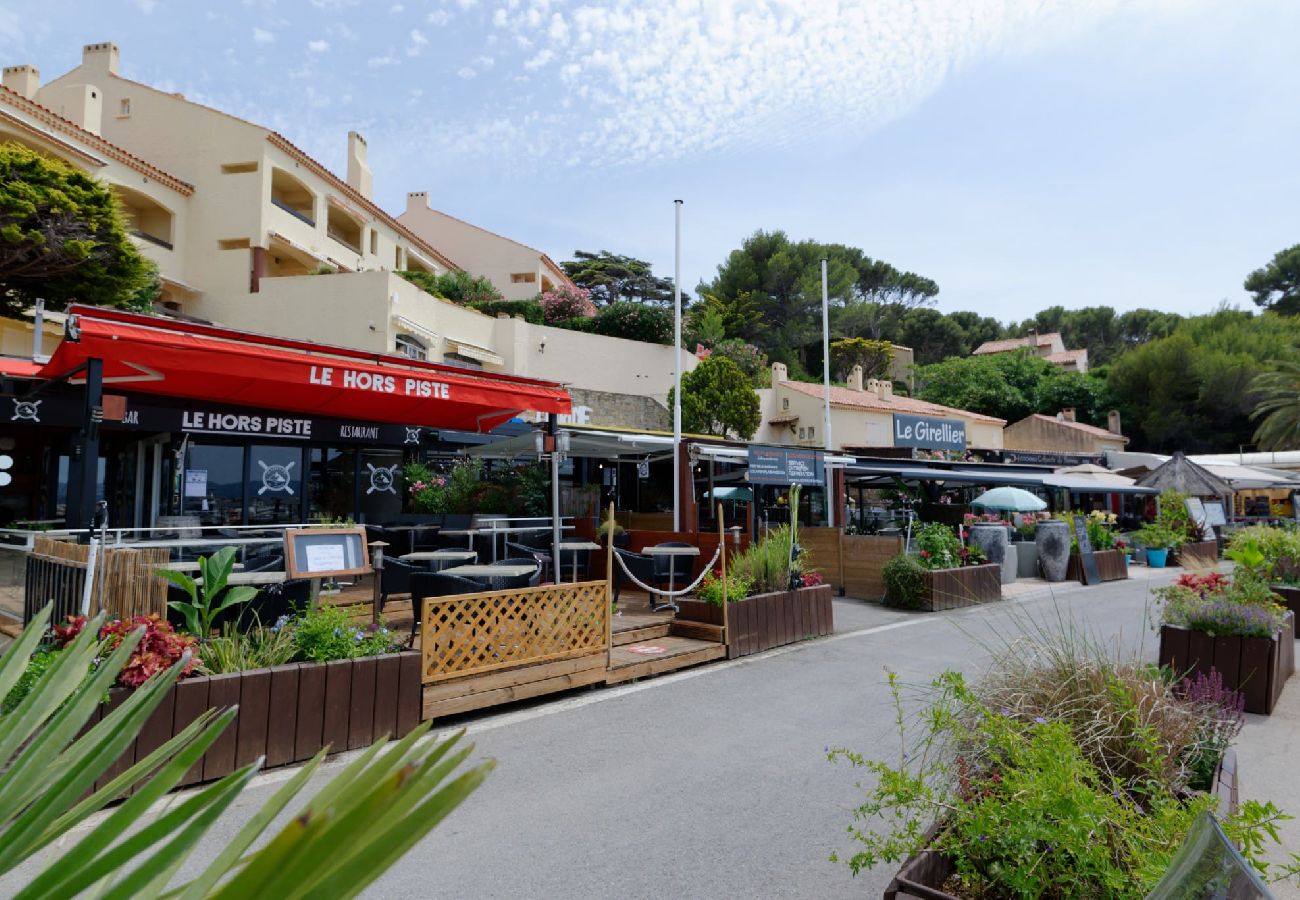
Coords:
1278,408
354,828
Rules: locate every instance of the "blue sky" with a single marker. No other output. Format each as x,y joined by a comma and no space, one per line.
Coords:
1022,154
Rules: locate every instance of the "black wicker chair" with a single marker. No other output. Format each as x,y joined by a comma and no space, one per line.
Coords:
506,582
396,578
435,584
639,565
539,555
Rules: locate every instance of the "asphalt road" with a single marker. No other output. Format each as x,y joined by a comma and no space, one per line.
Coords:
712,782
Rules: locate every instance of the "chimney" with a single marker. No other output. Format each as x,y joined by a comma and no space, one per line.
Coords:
873,386
1112,422
22,80
779,371
101,57
1033,341
886,389
359,177
855,379
1067,414
417,200
82,104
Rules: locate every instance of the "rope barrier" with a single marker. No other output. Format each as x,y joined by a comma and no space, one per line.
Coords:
655,590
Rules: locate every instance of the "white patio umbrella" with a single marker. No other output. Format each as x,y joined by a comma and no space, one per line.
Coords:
1011,499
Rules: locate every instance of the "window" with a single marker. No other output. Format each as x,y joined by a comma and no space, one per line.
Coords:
274,484
812,432
411,347
124,106
374,242
523,277
233,244
214,484
464,362
802,435
238,168
785,402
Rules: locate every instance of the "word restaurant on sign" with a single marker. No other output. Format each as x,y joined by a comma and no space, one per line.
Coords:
384,384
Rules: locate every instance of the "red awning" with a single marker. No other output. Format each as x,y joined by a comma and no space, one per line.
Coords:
19,368
153,355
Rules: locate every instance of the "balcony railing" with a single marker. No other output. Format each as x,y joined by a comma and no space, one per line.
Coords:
146,236
342,239
293,212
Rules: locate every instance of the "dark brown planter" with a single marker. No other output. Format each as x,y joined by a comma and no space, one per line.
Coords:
1200,555
286,713
1257,667
1110,566
1290,597
924,874
957,588
764,621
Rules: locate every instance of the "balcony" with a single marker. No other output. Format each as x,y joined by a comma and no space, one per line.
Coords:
342,227
146,218
292,196
157,241
300,216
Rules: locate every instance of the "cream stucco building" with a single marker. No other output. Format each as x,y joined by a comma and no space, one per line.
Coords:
251,232
862,415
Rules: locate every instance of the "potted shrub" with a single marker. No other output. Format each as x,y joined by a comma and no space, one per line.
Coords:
1275,554
1233,625
1043,779
942,575
1158,541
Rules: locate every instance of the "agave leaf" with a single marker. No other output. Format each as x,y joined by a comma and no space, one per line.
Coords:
14,661
253,828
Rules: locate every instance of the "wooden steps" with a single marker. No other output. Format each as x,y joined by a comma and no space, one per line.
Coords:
678,653
640,635
464,694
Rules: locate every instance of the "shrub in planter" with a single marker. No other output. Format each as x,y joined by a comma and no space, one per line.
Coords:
906,584
160,648
710,589
1031,800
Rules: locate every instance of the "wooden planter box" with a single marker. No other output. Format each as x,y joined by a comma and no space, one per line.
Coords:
957,588
1290,597
1200,555
924,875
764,621
286,713
1258,667
1110,565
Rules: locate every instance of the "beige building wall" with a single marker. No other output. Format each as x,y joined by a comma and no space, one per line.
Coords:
516,270
1044,434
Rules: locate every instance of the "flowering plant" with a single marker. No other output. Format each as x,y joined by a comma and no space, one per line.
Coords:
159,649
427,489
565,303
812,578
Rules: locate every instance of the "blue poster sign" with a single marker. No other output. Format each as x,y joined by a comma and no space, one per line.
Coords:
929,433
780,465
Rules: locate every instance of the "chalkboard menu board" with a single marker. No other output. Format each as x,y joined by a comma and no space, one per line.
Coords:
777,465
1090,573
1214,515
325,552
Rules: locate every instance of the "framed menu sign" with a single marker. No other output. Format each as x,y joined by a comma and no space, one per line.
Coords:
325,552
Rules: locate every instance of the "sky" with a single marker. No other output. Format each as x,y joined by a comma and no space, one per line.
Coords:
1022,153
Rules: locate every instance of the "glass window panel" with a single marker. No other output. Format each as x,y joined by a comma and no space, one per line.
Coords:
333,479
274,484
381,485
213,484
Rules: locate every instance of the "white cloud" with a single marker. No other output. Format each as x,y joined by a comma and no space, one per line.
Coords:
262,36
318,46
379,62
438,18
146,6
396,8
642,80
417,44
466,72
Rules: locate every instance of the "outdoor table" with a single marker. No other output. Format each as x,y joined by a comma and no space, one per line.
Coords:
480,572
253,578
410,532
439,558
575,547
492,532
207,542
192,565
660,550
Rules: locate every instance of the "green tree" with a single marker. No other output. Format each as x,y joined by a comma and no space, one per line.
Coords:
611,278
1005,385
1194,390
932,336
705,324
979,329
718,398
458,287
63,238
874,357
1277,285
1087,394
1279,407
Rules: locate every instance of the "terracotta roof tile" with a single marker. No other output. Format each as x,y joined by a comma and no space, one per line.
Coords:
1079,426
1066,356
866,400
1009,344
100,144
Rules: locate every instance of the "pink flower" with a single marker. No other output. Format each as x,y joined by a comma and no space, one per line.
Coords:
702,352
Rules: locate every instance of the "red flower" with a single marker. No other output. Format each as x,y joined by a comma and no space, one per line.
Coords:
925,554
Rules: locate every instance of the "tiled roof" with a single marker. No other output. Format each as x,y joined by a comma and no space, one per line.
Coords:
1013,344
1080,426
92,140
546,260
1066,356
867,400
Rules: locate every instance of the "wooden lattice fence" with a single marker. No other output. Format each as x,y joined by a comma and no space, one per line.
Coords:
469,634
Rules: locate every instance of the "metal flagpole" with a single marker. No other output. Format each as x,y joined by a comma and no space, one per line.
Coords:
826,394
677,394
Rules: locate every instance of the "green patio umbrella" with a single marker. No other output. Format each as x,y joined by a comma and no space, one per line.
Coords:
1010,499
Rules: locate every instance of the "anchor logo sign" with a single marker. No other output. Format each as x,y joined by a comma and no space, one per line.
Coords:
382,478
26,410
276,478
412,435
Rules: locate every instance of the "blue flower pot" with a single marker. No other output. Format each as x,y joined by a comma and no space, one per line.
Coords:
1156,559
